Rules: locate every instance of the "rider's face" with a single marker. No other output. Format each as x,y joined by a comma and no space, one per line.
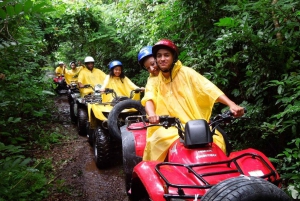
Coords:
117,71
89,65
151,66
73,66
164,59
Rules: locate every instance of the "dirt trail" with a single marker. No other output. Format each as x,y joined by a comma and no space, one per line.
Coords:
74,164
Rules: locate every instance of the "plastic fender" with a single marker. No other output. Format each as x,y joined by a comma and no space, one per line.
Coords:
140,142
129,110
91,118
254,166
98,110
180,154
145,171
154,185
89,108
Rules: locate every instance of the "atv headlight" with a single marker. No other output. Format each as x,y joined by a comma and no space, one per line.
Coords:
97,87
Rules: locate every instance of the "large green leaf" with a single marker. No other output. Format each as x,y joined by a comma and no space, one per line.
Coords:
27,6
10,10
18,8
2,14
39,7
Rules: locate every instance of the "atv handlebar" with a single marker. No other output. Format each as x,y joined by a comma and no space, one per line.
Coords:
167,121
135,91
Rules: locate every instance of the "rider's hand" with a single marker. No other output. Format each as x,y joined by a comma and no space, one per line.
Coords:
153,119
237,110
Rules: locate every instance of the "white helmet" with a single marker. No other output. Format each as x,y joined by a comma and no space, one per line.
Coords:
60,62
89,59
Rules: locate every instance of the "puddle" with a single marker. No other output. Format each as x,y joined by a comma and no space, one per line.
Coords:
91,167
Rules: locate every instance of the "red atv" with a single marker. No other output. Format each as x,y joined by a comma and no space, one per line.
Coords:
61,85
195,168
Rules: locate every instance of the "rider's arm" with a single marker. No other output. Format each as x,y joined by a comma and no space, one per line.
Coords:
105,83
80,85
234,108
150,110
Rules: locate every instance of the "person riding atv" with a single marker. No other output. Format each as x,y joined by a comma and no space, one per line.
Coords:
88,79
89,76
116,89
195,167
182,92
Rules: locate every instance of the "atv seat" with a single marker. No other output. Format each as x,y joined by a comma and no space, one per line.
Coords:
197,134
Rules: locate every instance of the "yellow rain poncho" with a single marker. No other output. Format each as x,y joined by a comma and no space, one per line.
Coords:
187,96
72,75
59,70
94,77
122,87
150,87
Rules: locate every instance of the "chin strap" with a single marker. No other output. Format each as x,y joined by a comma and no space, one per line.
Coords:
169,70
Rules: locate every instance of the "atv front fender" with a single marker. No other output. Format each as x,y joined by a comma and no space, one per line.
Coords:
95,112
256,164
145,172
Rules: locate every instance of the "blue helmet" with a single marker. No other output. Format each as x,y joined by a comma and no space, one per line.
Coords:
144,52
114,64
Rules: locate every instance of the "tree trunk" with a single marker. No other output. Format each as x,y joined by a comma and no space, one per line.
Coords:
276,24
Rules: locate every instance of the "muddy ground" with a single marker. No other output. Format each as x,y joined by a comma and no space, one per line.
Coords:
77,177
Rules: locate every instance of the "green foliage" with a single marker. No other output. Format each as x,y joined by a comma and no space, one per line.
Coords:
25,103
285,121
289,164
21,178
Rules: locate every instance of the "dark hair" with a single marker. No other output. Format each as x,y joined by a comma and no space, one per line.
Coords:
122,75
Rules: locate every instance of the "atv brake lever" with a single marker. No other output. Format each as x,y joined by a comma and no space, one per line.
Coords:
108,90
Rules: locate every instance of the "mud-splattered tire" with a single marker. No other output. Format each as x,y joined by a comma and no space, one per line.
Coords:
130,160
245,189
90,134
72,112
101,148
82,121
113,125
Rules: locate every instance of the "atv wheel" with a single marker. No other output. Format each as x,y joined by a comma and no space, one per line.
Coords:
82,121
72,112
101,148
245,188
113,124
90,136
130,160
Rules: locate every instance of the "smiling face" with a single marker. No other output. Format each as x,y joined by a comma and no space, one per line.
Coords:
117,71
164,59
151,66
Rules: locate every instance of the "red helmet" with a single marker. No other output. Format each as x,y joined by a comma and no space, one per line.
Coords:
167,44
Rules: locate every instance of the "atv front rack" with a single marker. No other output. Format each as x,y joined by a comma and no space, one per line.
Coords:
92,98
191,169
